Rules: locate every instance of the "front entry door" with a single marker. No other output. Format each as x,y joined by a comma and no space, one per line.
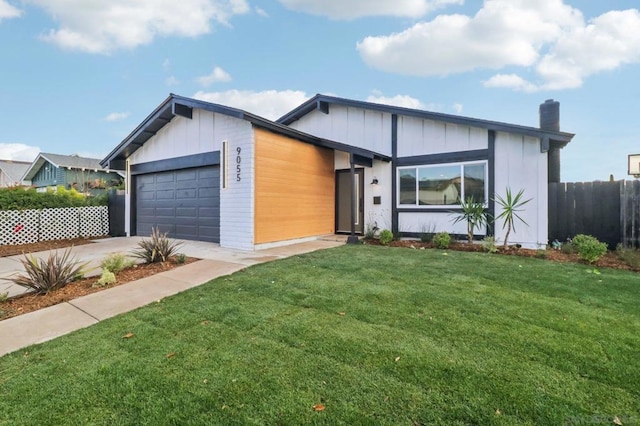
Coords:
343,200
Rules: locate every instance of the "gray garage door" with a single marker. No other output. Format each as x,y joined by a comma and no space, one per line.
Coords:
185,203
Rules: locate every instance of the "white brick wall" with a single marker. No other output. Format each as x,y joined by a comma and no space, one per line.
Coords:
237,200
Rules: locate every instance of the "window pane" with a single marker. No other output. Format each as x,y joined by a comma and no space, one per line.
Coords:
439,185
408,186
474,176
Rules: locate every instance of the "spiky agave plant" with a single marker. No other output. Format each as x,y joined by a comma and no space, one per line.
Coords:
159,248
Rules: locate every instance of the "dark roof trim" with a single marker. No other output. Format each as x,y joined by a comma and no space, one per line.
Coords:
322,102
179,105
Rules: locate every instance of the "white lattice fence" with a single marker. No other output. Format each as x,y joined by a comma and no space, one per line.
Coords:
94,221
59,224
19,226
29,226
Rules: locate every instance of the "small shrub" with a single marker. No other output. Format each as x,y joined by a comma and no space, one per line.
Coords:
181,258
370,231
106,278
159,248
589,248
45,275
427,233
442,240
630,256
568,248
3,296
541,254
489,245
116,262
386,236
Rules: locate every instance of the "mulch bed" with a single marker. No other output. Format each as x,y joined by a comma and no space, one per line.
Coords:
12,250
31,302
610,260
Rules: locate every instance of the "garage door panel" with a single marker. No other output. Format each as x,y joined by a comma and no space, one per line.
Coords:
184,203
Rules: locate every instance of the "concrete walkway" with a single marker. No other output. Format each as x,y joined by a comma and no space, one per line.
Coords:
58,320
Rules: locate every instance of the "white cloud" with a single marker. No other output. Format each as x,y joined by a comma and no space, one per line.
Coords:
340,9
260,11
171,81
18,152
116,116
8,11
218,75
397,100
510,81
101,26
270,104
548,37
457,108
166,64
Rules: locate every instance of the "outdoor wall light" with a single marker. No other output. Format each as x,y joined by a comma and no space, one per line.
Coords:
374,181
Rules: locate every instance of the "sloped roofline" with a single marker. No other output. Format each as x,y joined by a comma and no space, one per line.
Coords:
323,102
48,157
183,106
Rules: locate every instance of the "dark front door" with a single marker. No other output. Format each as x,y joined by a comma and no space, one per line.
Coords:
343,201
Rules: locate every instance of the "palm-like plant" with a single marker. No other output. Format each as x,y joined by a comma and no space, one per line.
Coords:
473,213
510,206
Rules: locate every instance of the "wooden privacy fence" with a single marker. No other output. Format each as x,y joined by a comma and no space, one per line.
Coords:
610,211
31,226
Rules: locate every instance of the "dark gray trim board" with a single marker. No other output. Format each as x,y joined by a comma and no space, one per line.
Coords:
394,173
447,157
491,211
186,162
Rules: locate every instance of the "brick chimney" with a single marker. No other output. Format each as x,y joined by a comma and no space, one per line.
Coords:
550,120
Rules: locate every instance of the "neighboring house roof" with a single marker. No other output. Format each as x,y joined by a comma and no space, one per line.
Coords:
73,162
182,106
323,102
14,170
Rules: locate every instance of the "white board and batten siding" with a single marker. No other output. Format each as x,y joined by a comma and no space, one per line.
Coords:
520,164
418,136
205,133
353,126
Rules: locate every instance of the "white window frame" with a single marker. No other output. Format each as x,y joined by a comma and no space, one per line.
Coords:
440,206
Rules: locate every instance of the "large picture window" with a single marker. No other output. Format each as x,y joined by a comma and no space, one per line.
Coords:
442,184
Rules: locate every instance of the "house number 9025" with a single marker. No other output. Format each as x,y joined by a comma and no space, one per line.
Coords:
238,162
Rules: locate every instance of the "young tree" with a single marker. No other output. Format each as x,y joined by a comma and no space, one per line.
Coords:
510,206
473,213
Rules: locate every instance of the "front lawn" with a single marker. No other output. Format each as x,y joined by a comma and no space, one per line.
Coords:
353,335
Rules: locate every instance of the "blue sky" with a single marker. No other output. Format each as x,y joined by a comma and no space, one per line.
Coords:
78,75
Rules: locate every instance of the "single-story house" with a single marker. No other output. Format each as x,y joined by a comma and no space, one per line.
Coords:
11,173
204,171
48,171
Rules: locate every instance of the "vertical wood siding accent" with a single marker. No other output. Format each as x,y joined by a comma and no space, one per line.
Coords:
294,189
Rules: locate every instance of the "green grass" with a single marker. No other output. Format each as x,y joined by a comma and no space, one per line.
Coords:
427,337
